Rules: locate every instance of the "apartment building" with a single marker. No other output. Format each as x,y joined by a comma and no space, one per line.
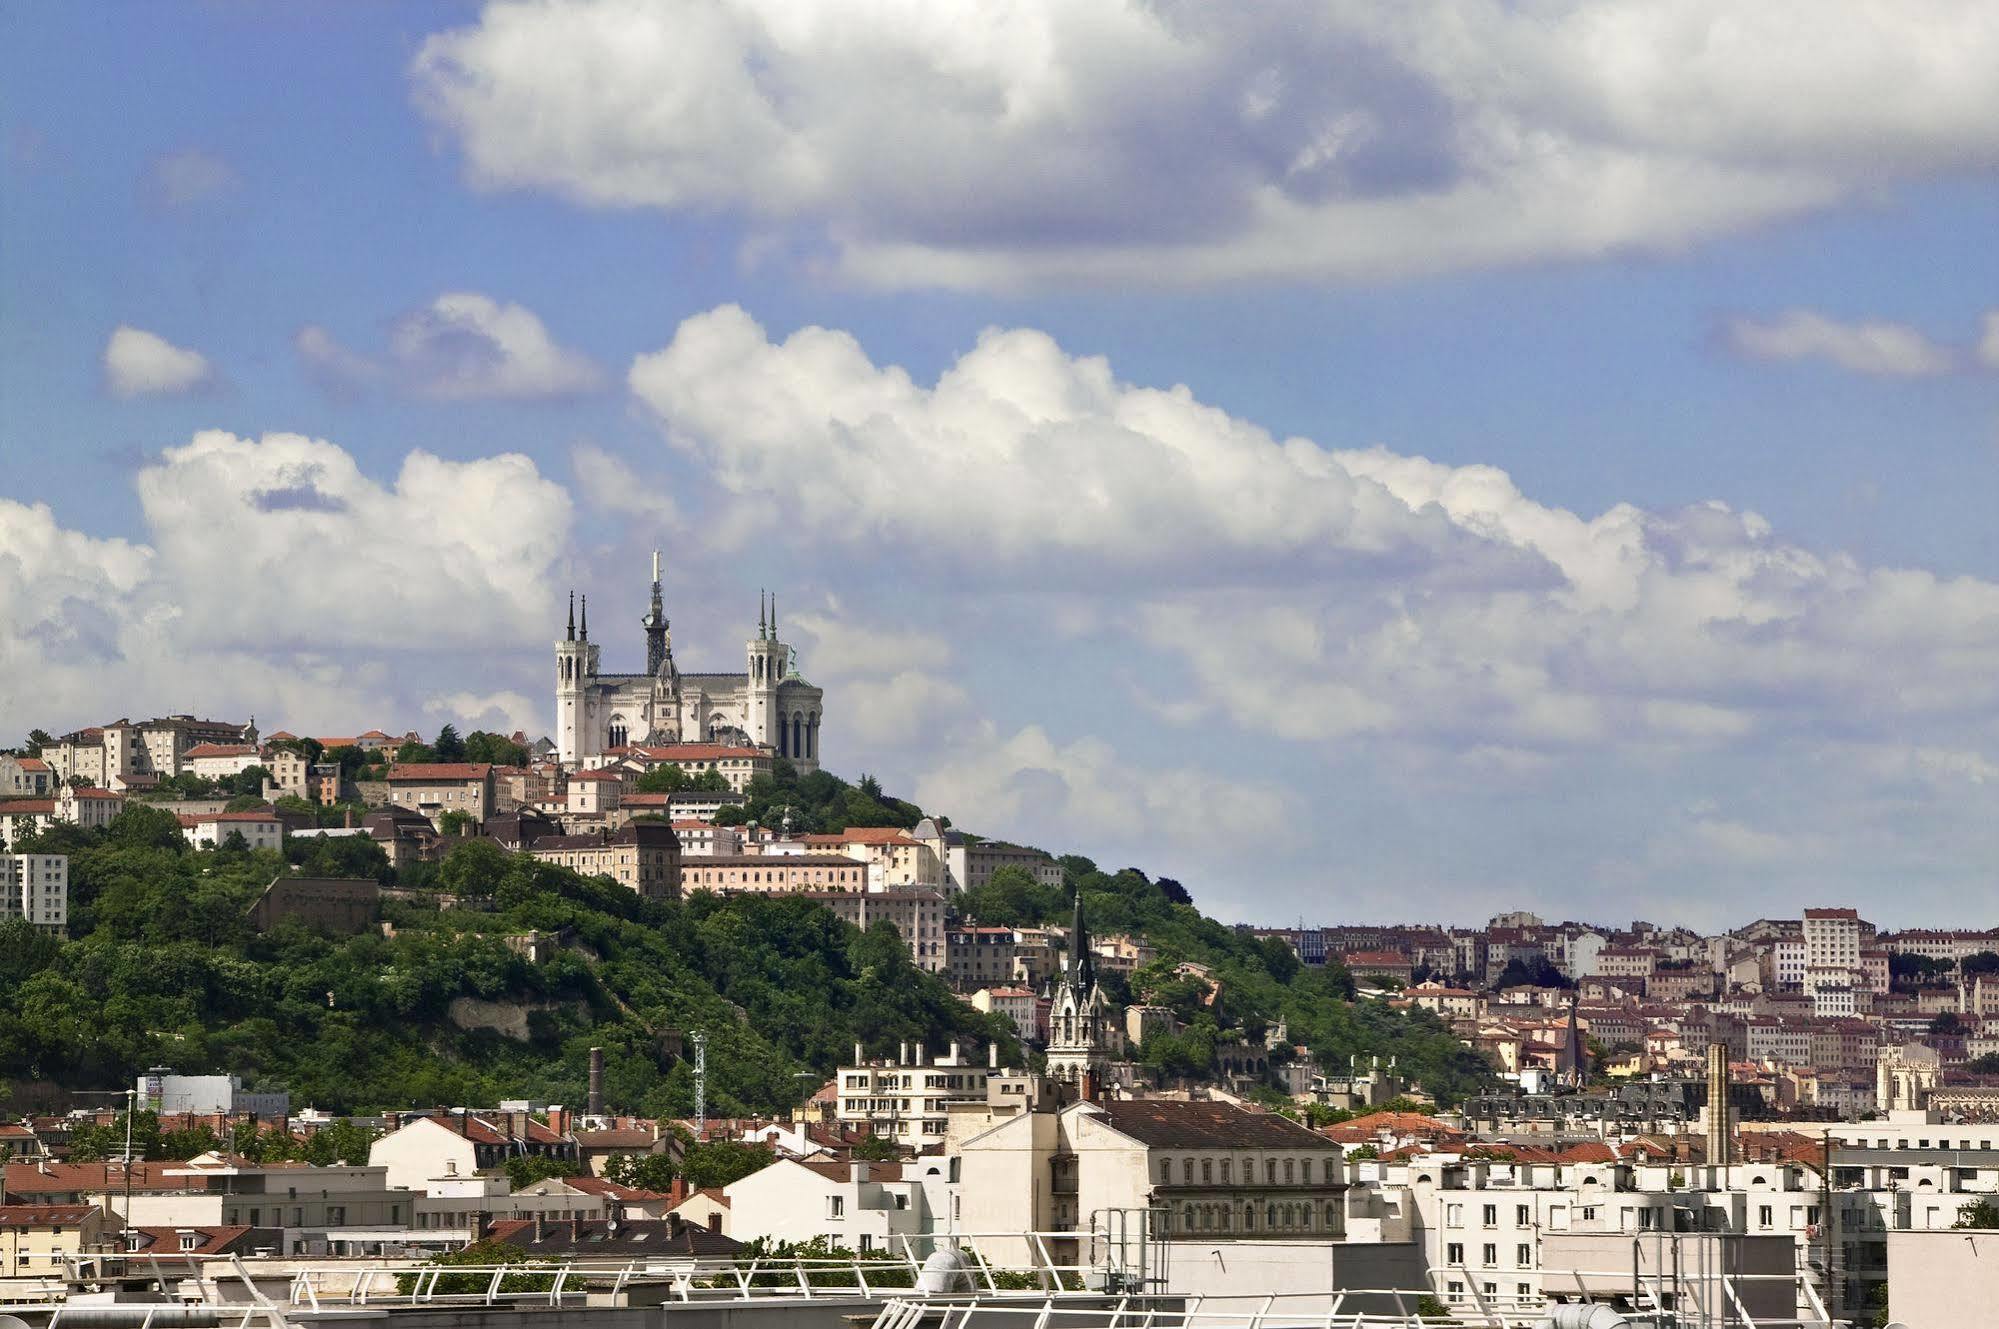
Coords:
908,1100
917,914
35,889
773,874
641,856
435,788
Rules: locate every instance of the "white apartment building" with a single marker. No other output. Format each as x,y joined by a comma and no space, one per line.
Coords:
162,1089
909,1099
211,830
35,888
24,777
863,1207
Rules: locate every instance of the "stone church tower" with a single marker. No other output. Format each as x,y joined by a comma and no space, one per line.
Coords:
1079,1026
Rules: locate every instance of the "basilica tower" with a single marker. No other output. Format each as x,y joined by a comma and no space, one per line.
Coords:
575,666
766,671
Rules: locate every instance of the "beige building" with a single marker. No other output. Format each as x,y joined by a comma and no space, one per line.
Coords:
88,808
35,1239
737,764
594,793
214,761
642,856
24,777
127,755
1211,1171
435,788
773,874
917,915
895,859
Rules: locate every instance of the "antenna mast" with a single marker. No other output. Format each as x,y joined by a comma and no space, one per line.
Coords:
700,1041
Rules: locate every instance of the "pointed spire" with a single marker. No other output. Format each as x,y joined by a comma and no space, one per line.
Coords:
586,619
572,615
1082,965
773,615
762,633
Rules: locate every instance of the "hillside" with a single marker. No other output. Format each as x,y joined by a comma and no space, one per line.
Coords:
160,968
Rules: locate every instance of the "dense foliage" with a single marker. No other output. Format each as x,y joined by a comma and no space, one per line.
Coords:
162,969
1254,984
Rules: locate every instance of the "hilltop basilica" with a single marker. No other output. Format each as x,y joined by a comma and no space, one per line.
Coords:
767,705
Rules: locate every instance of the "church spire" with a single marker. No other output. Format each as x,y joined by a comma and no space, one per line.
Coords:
572,615
773,615
1082,965
657,642
763,634
586,618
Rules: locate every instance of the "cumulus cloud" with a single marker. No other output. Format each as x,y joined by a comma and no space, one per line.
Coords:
1085,792
1369,594
891,682
183,179
609,483
140,363
503,712
1020,455
1891,350
276,577
1052,141
461,346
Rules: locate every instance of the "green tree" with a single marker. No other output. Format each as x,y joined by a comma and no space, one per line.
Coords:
449,746
412,751
876,1149
1985,1065
643,1172
524,1170
720,1162
662,779
1947,1023
1981,1214
37,740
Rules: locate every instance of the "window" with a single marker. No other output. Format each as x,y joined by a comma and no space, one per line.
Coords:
1454,1215
1523,1215
1305,1168
1489,1254
1289,1171
1523,1255
1490,1216
1763,1216
1225,1172
1454,1254
1187,1171
1207,1170
836,1206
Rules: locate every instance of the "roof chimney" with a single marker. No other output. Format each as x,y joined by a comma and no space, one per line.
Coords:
992,1056
595,1104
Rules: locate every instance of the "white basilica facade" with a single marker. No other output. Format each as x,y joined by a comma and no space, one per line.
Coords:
767,705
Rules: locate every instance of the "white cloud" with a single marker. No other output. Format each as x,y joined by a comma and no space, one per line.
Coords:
140,363
1892,350
278,579
609,483
1052,141
466,345
178,180
890,682
1317,594
1020,455
462,346
335,368
457,552
503,712
1988,345
1085,793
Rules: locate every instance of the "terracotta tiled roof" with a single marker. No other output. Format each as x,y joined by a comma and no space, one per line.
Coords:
210,1240
220,750
32,763
44,1215
698,752
28,1178
864,835
439,770
27,807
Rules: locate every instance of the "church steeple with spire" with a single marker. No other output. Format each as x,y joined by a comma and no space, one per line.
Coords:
659,635
1080,1034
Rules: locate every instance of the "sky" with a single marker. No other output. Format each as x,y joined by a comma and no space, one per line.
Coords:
1367,461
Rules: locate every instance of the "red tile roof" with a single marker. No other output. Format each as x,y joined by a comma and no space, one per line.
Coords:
698,752
27,807
44,1215
440,770
219,750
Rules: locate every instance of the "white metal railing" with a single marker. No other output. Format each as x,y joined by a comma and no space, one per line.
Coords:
1352,1308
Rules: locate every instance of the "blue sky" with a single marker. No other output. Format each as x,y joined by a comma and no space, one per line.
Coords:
1315,679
